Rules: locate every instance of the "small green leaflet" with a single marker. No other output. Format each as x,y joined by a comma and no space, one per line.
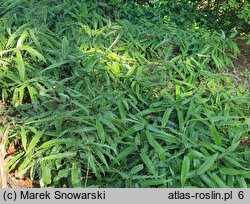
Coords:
20,65
46,173
91,62
76,176
185,170
148,162
158,148
23,138
100,131
136,169
34,141
132,148
133,129
59,156
207,164
216,136
166,117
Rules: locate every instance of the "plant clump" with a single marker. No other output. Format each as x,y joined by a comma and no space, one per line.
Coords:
123,94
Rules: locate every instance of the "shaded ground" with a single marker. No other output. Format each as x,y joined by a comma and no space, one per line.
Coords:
242,64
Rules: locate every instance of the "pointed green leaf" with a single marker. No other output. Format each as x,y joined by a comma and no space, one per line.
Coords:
158,148
148,162
216,136
185,170
23,138
207,164
166,117
76,176
100,131
34,141
20,65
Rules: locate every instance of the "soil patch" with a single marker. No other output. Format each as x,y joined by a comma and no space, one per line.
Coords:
242,64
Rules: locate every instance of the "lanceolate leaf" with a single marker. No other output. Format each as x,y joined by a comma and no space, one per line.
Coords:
34,141
185,170
158,148
148,162
216,136
23,138
20,65
207,164
100,131
76,176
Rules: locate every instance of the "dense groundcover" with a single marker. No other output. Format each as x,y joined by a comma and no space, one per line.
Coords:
124,93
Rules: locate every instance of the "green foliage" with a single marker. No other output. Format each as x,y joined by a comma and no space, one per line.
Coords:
101,100
232,14
229,15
